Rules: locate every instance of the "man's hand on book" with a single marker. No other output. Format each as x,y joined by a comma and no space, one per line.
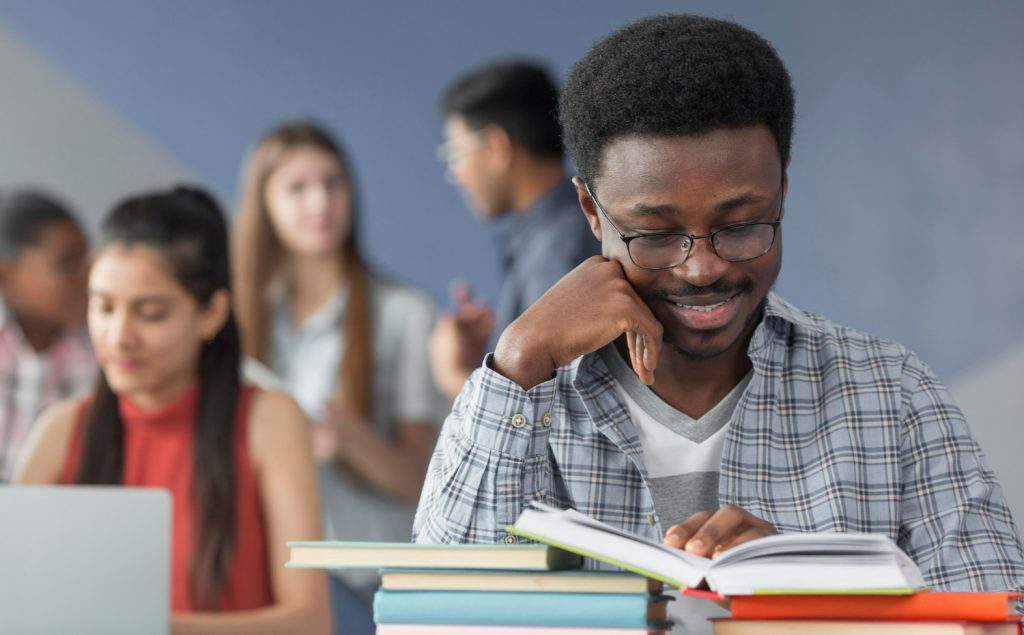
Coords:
709,534
591,306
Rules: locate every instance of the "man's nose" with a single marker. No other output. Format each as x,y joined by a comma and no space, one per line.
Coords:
703,267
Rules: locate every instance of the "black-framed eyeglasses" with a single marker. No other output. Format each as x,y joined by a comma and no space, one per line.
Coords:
664,250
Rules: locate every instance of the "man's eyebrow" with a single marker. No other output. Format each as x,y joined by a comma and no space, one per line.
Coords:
730,204
641,210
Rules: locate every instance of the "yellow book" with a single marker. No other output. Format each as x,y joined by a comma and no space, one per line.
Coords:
329,554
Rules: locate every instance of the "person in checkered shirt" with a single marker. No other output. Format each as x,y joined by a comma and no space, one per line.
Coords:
664,388
45,354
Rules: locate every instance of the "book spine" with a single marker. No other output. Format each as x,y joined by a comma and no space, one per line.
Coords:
971,607
448,629
609,610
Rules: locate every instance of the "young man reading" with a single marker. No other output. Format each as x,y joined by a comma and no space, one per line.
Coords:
664,388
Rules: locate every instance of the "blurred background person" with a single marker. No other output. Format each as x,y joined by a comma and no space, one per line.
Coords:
349,345
503,148
45,355
170,411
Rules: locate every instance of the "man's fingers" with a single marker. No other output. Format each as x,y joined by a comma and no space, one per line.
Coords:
721,526
757,531
458,289
677,535
648,332
631,345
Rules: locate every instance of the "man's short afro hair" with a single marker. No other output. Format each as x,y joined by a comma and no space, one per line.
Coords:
673,75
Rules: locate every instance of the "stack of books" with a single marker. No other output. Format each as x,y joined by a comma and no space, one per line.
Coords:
790,584
493,590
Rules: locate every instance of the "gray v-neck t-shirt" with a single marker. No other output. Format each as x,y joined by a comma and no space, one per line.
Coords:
682,455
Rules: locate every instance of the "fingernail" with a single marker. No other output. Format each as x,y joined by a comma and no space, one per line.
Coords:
696,543
673,537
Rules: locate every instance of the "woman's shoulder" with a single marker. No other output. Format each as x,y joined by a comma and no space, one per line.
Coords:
45,451
274,420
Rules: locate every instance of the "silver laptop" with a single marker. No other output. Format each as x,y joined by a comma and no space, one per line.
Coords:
84,560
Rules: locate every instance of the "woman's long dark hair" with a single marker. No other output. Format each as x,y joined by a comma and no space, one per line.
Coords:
187,227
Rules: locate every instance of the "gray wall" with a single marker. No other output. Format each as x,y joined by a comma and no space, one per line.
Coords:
904,214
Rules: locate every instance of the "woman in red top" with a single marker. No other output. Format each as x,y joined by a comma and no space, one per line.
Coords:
170,411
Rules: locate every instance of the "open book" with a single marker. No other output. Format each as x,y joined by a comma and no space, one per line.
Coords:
824,563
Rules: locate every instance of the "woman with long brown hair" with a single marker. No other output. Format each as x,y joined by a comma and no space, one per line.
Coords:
350,346
170,410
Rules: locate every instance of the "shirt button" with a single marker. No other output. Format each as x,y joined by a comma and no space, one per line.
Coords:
651,519
518,421
510,540
545,420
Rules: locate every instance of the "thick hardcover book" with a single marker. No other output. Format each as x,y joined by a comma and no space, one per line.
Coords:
968,607
403,555
820,563
547,581
606,610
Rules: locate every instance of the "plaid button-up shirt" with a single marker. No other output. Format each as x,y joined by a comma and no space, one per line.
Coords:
837,431
31,382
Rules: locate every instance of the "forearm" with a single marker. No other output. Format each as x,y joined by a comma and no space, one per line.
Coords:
956,524
293,617
393,469
518,357
451,381
491,458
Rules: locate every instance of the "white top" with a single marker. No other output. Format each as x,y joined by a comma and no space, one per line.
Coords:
307,360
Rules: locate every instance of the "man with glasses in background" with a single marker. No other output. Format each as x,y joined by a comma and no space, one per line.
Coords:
664,388
503,148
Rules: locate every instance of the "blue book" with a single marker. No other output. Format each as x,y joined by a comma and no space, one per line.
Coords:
608,610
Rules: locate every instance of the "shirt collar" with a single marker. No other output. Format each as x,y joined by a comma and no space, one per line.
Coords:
324,318
514,226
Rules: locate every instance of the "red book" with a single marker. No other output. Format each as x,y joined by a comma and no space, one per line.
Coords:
932,605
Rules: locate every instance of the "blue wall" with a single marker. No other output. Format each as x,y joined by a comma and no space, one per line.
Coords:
906,188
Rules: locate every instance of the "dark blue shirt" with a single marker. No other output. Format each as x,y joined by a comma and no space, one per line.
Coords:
538,246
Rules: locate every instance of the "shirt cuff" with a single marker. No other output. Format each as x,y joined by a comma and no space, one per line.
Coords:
500,415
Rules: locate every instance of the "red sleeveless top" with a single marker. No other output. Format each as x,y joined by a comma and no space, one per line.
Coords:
159,453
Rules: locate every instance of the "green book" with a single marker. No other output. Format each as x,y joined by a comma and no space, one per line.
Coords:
811,563
404,555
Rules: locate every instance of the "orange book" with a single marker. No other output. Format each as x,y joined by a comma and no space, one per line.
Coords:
931,605
861,627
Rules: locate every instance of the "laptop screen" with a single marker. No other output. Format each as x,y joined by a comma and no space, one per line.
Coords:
84,560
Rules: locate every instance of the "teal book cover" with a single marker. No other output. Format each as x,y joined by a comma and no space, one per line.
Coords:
608,610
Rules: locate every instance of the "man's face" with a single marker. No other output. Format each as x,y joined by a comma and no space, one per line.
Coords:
695,184
475,163
45,283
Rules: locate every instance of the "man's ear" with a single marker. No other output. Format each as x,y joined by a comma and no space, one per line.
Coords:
499,149
587,205
785,187
215,314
